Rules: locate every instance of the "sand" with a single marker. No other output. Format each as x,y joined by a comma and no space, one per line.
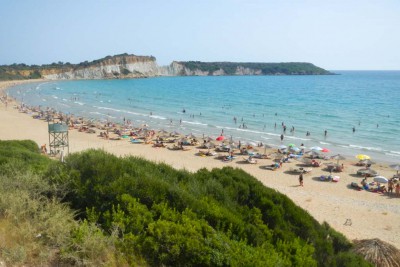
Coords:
356,214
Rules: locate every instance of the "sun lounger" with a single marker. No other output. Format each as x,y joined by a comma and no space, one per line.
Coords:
228,158
175,147
207,153
300,170
250,160
158,145
272,167
261,156
136,141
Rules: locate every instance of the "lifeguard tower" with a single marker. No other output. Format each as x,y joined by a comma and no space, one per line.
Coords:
58,137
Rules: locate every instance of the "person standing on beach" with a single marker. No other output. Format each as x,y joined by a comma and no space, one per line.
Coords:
301,179
390,187
397,189
281,137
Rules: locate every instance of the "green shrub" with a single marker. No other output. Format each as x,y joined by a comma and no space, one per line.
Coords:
150,204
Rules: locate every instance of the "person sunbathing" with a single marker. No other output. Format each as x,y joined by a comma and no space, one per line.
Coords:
315,163
159,144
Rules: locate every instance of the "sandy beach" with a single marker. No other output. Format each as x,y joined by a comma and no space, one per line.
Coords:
356,214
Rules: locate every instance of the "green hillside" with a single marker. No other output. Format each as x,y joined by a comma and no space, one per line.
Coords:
230,68
97,209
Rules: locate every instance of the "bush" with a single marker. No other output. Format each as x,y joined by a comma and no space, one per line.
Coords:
159,211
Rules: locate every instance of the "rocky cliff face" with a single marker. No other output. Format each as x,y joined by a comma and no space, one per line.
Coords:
127,66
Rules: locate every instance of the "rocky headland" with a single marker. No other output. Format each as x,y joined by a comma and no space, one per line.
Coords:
132,66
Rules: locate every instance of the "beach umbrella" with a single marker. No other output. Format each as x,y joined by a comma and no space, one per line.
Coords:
210,145
366,171
362,157
277,156
395,167
381,179
231,146
291,145
282,147
220,138
295,149
338,157
251,144
378,252
367,161
175,133
305,160
191,136
325,150
316,148
184,140
163,132
314,153
209,139
265,148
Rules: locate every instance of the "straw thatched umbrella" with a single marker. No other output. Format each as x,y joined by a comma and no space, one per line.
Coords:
369,172
378,252
395,167
338,157
367,162
306,161
265,148
191,136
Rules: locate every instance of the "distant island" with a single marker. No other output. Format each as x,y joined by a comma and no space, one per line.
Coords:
132,66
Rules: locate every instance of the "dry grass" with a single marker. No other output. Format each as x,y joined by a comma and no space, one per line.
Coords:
39,231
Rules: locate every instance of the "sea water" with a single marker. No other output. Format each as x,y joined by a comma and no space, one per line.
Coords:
368,101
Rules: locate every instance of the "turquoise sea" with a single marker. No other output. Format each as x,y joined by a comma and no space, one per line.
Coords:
366,100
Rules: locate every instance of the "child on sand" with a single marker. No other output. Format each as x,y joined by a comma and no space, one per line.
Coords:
301,179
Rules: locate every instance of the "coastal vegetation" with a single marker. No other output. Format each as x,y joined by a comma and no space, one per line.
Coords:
98,209
233,68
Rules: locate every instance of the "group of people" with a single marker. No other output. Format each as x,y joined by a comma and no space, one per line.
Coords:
394,184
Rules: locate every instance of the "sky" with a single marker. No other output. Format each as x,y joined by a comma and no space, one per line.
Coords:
332,34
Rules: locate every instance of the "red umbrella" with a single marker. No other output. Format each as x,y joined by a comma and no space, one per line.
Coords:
220,138
325,150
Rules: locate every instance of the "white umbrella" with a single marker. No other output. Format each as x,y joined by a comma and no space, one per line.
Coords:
251,144
316,148
381,179
282,147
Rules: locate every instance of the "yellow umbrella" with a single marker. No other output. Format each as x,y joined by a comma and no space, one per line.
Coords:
363,157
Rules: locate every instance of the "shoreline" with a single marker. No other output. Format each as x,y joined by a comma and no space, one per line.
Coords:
99,106
372,215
